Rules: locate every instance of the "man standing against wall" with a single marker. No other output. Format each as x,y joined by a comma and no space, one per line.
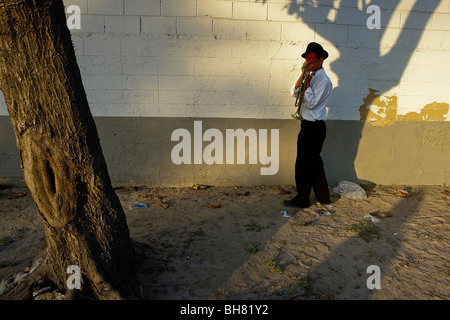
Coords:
309,171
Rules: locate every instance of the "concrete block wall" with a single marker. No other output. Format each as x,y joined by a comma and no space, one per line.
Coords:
237,59
244,55
231,58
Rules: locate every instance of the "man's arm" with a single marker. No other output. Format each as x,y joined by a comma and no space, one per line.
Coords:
314,95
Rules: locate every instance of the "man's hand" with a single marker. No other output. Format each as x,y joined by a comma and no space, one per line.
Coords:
308,66
308,79
305,67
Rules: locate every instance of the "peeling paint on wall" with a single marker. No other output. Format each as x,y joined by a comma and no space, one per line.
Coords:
382,111
378,110
434,111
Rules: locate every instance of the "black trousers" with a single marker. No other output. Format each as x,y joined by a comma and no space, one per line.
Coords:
309,171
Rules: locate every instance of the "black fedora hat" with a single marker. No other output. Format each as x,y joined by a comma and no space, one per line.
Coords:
317,49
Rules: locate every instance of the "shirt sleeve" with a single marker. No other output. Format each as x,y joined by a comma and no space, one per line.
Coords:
314,93
294,91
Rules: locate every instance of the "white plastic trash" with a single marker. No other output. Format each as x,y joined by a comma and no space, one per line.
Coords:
350,190
286,214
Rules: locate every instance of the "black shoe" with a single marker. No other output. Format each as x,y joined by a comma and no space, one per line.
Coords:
294,203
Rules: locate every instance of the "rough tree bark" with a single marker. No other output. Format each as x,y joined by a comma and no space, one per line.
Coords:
61,156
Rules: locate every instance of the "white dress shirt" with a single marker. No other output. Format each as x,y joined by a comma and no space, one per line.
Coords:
314,105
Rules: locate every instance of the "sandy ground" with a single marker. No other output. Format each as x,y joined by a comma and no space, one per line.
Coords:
236,243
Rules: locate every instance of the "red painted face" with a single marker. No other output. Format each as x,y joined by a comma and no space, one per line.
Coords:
311,57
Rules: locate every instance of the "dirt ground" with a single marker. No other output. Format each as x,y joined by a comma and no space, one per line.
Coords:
237,243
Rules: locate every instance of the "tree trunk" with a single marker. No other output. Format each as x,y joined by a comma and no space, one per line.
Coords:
60,152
